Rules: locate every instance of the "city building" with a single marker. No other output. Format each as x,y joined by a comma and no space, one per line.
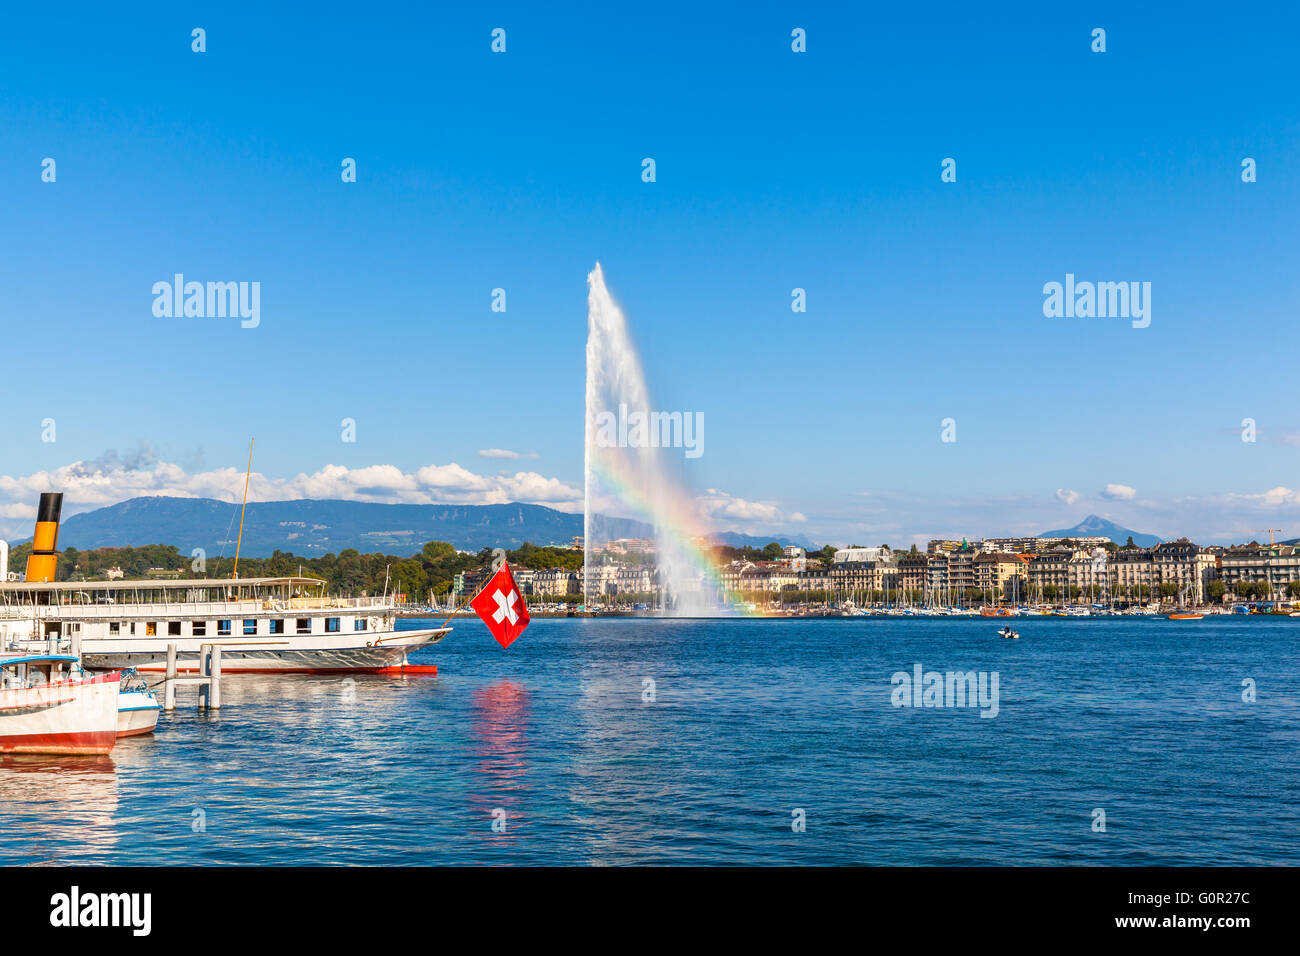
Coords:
1001,574
912,572
523,578
945,545
1186,566
860,555
1088,573
950,575
1037,545
1049,571
1270,567
1133,574
847,577
730,575
814,579
555,582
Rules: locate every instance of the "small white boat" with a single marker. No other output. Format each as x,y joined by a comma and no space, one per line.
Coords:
137,706
1008,633
49,706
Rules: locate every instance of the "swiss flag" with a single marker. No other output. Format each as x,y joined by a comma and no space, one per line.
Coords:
502,607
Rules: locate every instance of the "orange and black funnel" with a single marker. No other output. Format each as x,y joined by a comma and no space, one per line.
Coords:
45,556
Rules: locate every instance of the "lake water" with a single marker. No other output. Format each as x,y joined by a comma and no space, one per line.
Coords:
750,721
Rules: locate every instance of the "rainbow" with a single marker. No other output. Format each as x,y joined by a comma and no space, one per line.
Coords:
675,519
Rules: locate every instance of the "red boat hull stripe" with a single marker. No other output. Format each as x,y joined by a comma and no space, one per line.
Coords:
89,742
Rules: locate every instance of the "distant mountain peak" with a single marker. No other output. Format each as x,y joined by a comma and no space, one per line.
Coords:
1095,526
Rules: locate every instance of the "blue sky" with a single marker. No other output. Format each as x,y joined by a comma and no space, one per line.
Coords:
775,170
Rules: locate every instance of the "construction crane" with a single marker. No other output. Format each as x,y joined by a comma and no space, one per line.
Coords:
1262,530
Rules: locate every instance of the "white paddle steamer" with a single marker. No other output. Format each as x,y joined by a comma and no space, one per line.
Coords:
263,625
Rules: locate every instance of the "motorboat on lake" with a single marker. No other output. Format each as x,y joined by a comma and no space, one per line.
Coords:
137,706
50,705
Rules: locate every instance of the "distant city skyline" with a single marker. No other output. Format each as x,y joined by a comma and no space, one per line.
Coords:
776,172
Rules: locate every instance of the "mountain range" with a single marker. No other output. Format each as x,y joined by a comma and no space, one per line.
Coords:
313,528
1097,527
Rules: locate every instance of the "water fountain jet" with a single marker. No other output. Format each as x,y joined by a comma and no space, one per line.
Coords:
619,478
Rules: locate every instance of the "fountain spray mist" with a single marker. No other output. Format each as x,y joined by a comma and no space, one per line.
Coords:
619,479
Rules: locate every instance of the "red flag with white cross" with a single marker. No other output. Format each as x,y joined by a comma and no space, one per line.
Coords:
502,607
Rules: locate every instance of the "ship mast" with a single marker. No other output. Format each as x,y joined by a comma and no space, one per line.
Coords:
240,539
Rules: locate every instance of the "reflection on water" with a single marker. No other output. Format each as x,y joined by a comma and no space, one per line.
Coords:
619,763
63,807
500,727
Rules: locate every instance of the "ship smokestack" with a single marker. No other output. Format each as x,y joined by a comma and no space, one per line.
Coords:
45,556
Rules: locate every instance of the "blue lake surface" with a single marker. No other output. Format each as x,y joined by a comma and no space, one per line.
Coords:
751,720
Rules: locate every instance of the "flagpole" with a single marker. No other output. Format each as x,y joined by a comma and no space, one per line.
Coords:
461,608
240,540
471,597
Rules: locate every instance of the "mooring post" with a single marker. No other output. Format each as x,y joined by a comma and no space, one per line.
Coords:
214,682
169,685
203,672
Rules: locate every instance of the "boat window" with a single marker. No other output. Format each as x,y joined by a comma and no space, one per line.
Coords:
173,628
304,625
114,628
199,628
223,628
151,629
277,626
331,625
359,624
250,625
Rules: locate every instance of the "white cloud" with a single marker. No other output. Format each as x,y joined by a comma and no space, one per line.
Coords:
504,453
1274,497
1119,492
1068,496
719,505
109,479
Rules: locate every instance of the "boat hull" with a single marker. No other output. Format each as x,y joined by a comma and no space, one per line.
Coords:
249,658
65,717
137,713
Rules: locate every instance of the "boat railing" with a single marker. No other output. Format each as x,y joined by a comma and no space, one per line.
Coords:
172,610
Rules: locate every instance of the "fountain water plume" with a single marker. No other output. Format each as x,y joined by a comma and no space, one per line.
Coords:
619,479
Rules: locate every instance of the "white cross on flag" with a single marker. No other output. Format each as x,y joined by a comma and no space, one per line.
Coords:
502,607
